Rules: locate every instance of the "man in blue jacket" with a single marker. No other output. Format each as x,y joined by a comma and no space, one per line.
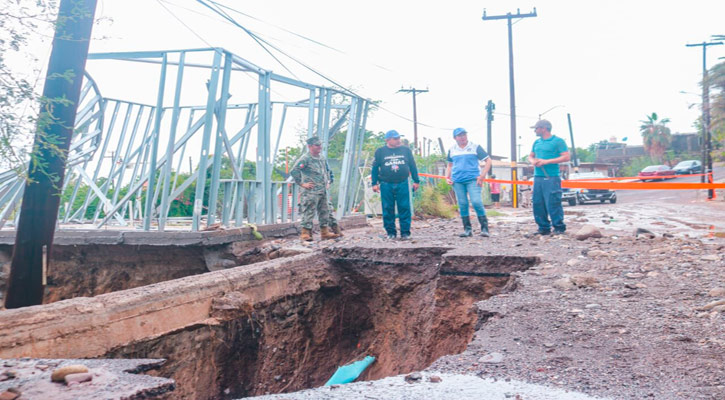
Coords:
465,173
392,166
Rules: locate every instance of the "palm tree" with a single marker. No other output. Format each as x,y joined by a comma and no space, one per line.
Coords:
655,135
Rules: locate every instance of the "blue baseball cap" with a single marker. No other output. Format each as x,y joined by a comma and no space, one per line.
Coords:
458,131
391,134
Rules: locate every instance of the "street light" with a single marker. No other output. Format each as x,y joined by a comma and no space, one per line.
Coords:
560,105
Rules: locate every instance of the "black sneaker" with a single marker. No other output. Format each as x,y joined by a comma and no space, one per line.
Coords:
391,236
405,237
558,232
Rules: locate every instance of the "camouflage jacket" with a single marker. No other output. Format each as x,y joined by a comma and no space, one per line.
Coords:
311,169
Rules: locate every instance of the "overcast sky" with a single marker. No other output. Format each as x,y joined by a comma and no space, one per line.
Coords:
608,64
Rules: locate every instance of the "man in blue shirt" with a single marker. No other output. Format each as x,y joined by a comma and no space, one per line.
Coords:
547,153
464,172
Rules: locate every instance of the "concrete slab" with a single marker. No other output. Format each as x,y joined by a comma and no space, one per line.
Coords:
70,237
111,379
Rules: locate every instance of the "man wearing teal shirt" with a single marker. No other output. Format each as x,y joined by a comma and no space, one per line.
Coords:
547,153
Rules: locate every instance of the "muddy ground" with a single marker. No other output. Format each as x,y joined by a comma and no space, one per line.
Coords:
621,316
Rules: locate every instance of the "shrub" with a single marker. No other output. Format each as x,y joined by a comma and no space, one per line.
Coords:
637,164
430,202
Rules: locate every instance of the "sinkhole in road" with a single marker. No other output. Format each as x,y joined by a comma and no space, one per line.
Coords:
405,306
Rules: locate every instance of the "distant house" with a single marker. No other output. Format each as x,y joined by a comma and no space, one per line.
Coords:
619,155
686,143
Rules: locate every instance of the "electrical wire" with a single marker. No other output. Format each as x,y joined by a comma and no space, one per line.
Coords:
259,41
252,35
293,33
184,24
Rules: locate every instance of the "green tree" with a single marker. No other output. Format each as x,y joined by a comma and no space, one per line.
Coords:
716,82
586,155
656,136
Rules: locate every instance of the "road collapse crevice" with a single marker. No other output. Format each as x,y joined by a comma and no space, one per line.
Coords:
392,303
281,325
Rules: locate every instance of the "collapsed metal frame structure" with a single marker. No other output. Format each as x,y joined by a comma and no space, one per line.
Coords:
151,155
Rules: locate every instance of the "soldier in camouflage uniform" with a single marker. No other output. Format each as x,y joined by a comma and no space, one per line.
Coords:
311,173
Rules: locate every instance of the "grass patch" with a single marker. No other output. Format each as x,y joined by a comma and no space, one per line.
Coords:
430,202
494,213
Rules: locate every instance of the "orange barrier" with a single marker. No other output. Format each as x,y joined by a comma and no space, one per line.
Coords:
614,185
624,178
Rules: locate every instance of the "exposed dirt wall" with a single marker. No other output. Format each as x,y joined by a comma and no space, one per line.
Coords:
390,303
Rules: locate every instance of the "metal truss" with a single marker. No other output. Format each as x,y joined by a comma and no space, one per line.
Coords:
147,143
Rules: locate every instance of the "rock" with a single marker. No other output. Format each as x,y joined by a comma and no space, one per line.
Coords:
572,262
597,253
719,308
491,358
583,280
717,292
413,377
711,305
593,305
710,257
634,275
668,235
435,379
587,231
641,232
563,284
78,378
8,395
59,374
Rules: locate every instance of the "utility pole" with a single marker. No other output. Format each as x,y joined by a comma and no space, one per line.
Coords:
443,149
509,17
39,210
415,115
706,136
573,148
490,106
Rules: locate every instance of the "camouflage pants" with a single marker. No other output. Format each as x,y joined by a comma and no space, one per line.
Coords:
333,220
311,203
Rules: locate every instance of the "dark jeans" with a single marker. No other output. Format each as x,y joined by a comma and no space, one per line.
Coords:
547,203
392,194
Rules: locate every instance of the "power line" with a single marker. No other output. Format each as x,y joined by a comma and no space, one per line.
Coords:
259,39
182,23
317,42
252,35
